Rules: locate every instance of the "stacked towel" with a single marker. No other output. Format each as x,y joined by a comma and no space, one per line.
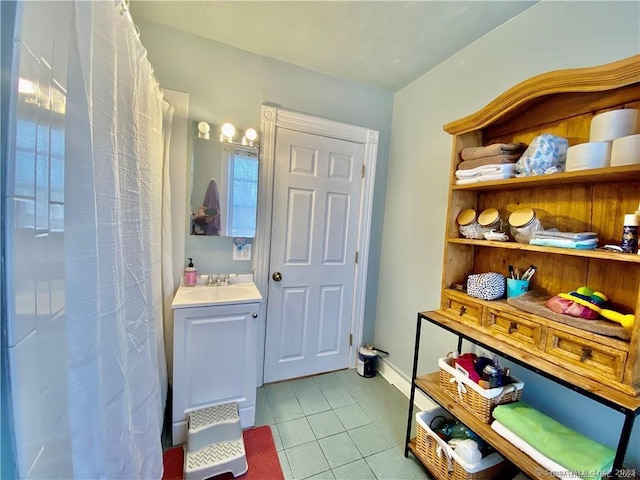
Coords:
493,162
485,173
575,240
568,448
557,234
472,153
555,242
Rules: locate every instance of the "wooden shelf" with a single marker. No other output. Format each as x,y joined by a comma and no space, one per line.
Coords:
625,173
600,254
608,395
429,384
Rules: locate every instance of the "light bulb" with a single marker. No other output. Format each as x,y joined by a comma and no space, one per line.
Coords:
203,130
228,130
251,134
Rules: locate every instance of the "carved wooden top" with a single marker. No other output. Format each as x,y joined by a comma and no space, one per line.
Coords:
592,79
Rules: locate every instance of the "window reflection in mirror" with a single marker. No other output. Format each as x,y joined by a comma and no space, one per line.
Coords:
224,188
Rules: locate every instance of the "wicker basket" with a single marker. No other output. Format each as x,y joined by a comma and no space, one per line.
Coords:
479,401
442,460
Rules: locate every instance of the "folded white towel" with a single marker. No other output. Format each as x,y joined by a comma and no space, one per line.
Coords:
486,170
485,178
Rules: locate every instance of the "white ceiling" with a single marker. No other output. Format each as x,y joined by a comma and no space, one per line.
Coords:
387,44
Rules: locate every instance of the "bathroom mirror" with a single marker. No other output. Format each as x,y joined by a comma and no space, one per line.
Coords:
224,182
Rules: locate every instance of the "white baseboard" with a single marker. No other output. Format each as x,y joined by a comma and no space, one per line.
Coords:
398,380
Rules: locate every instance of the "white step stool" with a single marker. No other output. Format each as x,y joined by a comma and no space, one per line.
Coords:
220,423
214,443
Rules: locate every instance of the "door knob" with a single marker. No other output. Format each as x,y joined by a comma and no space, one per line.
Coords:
277,276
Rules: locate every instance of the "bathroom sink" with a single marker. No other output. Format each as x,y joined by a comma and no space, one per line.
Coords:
201,295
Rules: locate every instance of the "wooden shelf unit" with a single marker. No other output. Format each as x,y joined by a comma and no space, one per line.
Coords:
560,103
429,384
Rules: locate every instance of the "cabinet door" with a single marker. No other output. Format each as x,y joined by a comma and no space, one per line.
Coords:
214,360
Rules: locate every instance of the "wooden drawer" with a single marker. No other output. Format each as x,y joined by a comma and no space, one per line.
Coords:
598,359
515,330
462,308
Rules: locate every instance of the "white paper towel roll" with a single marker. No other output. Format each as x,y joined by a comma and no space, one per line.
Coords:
588,155
626,151
614,124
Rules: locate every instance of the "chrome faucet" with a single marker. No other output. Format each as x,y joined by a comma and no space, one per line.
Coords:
217,280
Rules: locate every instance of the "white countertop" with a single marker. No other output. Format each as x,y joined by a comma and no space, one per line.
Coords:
202,296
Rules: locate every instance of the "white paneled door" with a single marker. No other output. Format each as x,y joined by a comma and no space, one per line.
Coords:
316,205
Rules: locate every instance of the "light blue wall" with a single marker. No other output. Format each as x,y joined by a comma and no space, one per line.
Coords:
548,36
228,84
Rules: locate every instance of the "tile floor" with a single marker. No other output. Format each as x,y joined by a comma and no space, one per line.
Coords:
338,426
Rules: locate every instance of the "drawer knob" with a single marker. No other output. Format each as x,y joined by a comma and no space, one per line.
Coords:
463,310
254,315
513,326
586,353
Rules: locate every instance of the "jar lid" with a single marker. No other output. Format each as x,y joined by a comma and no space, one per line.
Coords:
488,217
521,217
631,220
466,217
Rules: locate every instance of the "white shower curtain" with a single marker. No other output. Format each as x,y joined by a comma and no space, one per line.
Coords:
116,197
168,280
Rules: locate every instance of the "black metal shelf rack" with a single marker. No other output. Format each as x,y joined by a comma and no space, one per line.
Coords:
629,412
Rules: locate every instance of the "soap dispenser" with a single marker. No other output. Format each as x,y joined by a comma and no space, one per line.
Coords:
190,275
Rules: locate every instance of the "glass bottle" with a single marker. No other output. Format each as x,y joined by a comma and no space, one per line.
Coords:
524,223
468,224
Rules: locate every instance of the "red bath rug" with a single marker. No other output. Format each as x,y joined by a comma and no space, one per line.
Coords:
261,456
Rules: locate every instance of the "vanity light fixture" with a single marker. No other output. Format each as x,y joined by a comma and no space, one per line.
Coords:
228,131
203,130
250,136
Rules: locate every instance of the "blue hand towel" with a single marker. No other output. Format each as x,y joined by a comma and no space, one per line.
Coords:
557,242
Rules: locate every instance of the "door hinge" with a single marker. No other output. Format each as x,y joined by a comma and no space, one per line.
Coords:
350,339
363,170
357,256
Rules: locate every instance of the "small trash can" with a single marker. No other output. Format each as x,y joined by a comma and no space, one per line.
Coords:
367,362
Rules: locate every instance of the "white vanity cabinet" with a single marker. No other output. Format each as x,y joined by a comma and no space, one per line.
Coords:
214,360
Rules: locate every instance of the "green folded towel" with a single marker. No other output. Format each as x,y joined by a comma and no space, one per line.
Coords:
564,446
